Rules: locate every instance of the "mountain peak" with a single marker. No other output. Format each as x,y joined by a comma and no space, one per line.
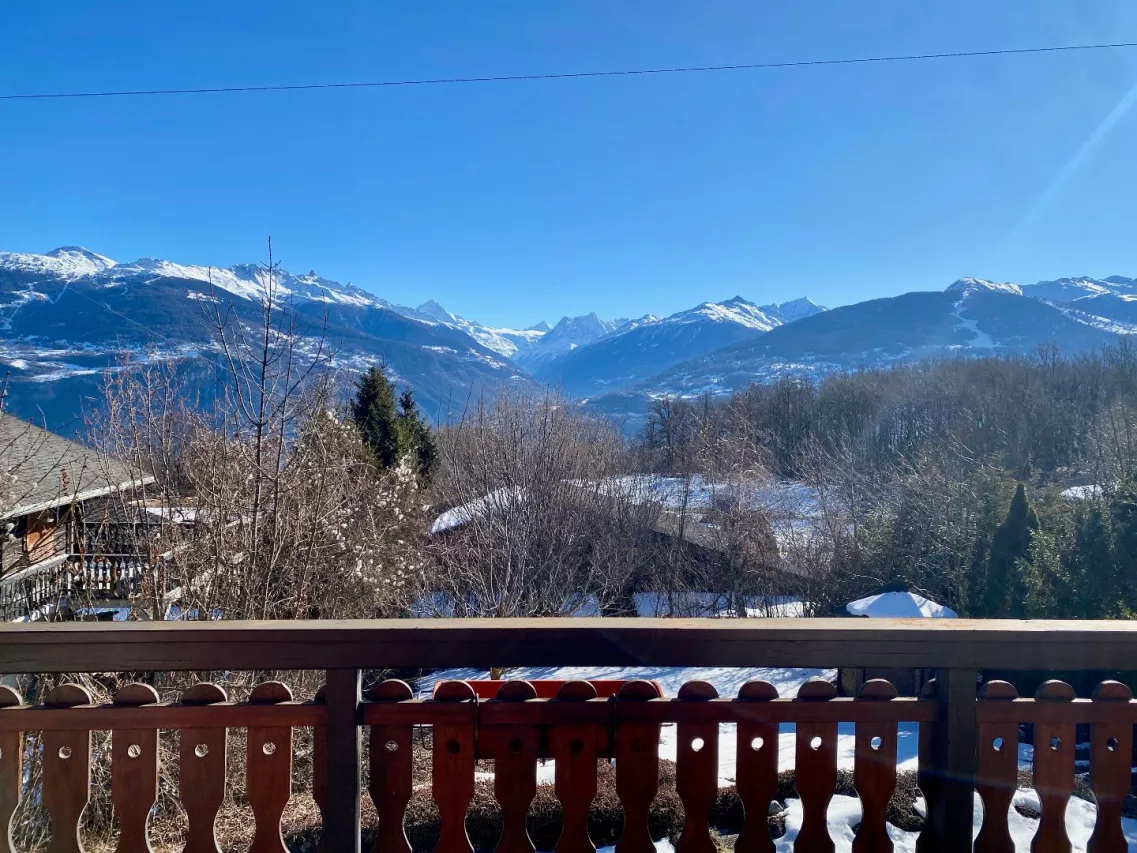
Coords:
968,284
69,262
798,309
736,310
435,311
81,258
540,326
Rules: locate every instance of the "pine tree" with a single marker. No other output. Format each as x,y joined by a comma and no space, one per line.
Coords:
373,410
1005,590
415,438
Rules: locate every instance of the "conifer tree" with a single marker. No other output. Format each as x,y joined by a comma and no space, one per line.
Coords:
1095,587
1123,513
1005,590
373,410
416,440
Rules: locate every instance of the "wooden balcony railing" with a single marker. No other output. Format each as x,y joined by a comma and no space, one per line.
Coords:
77,581
967,742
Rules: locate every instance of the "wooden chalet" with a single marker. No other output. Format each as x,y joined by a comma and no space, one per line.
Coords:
61,537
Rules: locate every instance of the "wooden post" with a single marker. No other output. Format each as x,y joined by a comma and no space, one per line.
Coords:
956,757
344,762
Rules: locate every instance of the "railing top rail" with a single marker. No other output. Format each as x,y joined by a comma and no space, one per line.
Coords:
358,644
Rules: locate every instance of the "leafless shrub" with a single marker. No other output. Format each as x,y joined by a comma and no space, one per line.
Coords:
540,522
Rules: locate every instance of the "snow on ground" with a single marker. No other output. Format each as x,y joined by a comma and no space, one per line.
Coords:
1082,493
845,813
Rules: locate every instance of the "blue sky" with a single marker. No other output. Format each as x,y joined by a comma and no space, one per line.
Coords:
514,202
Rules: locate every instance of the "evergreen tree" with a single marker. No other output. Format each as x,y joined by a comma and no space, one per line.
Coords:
1123,512
1049,585
373,410
1005,591
415,438
1095,581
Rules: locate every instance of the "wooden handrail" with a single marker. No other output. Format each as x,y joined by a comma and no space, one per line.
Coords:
949,725
363,644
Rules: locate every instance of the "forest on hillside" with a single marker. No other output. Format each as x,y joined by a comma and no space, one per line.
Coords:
998,486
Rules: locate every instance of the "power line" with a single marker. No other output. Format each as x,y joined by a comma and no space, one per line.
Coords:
570,75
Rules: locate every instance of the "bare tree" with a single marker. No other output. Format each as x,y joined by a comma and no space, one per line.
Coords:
265,503
540,521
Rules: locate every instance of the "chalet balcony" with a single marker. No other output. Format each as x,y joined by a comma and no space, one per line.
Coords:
82,582
967,734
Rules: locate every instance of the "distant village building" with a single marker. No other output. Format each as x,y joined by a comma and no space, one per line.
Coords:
57,527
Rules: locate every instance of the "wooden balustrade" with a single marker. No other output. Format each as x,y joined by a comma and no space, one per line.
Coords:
968,742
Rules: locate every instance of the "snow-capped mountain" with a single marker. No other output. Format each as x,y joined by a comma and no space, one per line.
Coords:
1080,287
68,315
970,317
66,262
510,343
795,309
969,285
570,333
644,347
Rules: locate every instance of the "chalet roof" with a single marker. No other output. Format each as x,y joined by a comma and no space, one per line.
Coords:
51,470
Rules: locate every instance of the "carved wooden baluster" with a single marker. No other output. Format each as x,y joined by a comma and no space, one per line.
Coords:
696,772
926,775
1111,746
1053,772
756,770
997,772
391,766
134,770
320,767
453,769
201,773
268,771
815,771
66,772
574,750
637,770
515,771
11,766
874,771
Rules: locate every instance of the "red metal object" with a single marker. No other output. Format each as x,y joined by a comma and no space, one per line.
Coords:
547,689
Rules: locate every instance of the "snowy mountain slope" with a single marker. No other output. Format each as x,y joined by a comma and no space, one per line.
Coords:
649,345
510,343
68,315
970,317
969,284
795,309
1071,289
568,335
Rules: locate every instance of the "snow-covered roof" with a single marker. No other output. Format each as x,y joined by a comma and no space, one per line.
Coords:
1081,493
899,605
496,501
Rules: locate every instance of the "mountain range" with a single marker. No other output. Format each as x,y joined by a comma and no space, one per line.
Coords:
70,314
